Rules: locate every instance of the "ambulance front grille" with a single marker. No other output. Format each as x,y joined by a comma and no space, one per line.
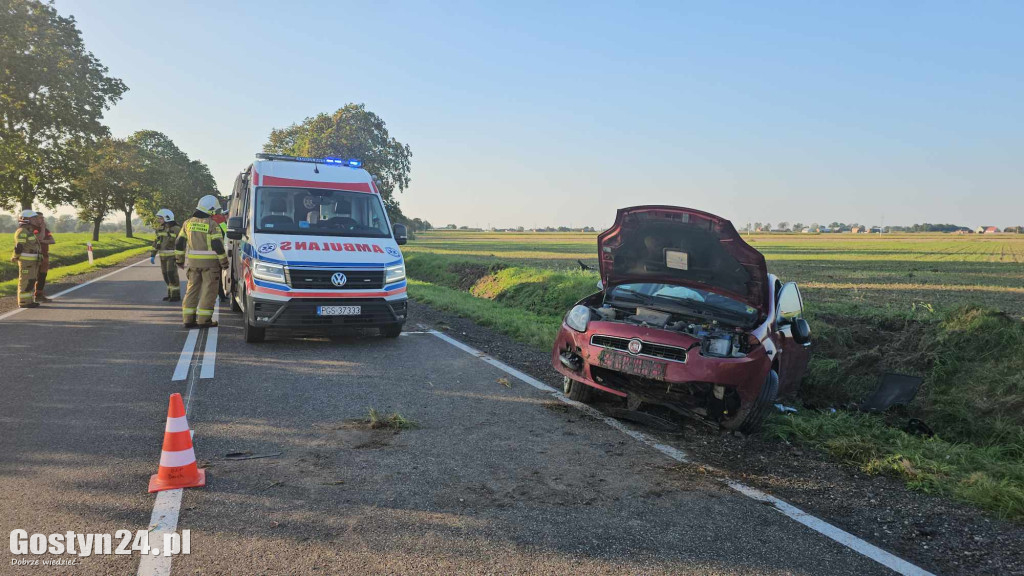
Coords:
318,279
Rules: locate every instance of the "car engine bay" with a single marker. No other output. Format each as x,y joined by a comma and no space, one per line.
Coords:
718,340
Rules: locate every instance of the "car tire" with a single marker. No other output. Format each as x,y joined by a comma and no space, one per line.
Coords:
762,404
251,334
391,331
577,391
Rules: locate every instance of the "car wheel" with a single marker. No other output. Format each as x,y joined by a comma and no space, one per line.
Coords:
577,391
762,404
235,306
251,334
391,331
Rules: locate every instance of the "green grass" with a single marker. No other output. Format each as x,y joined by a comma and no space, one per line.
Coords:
989,476
10,287
377,420
71,249
947,308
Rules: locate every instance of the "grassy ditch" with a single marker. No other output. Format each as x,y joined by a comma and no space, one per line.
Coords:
69,256
972,360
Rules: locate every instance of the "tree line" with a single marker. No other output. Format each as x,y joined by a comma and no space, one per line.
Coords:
54,148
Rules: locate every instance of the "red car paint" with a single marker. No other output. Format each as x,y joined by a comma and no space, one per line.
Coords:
772,346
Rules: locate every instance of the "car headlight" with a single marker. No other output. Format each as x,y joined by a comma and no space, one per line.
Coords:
578,318
395,274
266,271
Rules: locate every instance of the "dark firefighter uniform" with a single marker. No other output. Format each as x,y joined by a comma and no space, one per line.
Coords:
163,246
26,252
200,245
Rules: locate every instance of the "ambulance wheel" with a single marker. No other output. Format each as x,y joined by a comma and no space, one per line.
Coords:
253,334
391,331
235,306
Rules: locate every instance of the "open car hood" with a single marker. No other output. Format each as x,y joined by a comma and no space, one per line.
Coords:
672,245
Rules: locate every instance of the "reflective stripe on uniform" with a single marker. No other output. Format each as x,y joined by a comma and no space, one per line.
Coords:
201,312
166,252
188,310
27,256
202,256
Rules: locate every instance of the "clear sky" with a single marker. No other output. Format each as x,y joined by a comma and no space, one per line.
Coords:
537,114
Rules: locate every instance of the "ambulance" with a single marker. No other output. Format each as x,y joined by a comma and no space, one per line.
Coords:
311,249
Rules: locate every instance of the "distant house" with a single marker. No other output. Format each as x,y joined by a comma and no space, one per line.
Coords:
876,229
988,230
857,229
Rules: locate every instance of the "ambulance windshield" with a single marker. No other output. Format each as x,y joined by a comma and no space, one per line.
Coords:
320,212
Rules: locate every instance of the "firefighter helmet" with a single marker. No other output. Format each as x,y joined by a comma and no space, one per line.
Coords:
208,205
165,215
26,214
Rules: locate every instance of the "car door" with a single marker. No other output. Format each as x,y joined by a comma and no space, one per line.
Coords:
794,356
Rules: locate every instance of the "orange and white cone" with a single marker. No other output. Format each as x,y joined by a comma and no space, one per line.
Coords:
178,467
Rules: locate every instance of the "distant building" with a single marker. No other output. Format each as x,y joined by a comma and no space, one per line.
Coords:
987,229
857,230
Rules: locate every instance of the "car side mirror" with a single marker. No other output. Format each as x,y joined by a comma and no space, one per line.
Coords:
401,234
790,304
235,228
801,331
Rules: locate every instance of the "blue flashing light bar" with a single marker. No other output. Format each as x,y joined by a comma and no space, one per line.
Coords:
329,161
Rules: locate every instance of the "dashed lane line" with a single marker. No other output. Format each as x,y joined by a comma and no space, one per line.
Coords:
895,563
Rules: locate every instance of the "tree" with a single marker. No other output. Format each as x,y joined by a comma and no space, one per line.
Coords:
52,97
351,132
114,172
798,227
173,180
783,226
758,226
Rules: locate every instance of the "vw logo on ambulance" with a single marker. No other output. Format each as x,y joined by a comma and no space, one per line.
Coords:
338,279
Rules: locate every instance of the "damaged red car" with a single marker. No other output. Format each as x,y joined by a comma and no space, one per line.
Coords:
688,318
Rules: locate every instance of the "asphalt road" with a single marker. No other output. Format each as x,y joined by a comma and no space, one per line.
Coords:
496,478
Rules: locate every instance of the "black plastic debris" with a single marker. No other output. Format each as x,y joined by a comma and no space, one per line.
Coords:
918,428
892,389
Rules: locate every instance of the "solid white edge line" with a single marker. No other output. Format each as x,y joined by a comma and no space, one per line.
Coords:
210,352
164,520
72,289
185,360
831,532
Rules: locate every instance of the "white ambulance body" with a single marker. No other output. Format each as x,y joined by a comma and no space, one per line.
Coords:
312,249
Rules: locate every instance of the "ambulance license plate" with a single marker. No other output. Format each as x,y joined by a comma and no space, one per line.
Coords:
339,310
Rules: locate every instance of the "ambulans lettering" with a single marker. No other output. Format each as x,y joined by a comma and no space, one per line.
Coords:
334,247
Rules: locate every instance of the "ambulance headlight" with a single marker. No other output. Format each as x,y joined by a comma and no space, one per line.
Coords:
395,274
266,271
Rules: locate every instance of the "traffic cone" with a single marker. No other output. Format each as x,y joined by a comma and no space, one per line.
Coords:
178,467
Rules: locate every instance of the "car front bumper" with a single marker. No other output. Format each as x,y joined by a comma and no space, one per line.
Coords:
300,313
660,381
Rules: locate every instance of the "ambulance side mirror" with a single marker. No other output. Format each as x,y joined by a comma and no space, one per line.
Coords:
401,234
235,228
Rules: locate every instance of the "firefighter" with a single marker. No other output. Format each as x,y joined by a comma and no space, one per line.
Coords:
45,239
200,243
221,219
26,254
163,246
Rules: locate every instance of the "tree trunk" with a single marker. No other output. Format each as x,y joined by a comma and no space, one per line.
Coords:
128,223
96,229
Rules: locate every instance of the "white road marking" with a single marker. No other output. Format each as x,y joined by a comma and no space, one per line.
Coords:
167,506
895,563
185,360
164,520
210,352
72,289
